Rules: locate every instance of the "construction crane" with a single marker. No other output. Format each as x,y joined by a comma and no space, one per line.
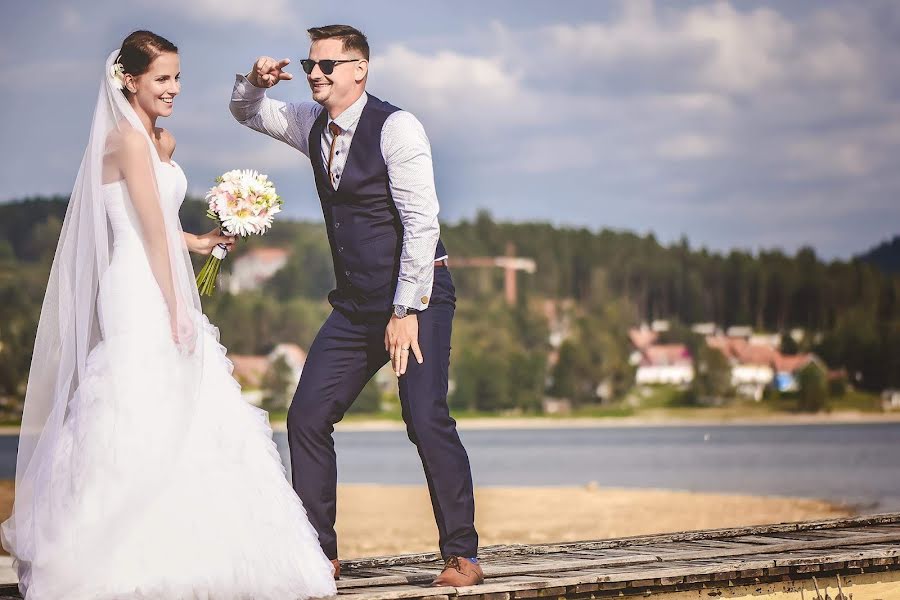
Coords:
510,263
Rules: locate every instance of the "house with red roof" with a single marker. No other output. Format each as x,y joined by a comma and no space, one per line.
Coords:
658,364
757,365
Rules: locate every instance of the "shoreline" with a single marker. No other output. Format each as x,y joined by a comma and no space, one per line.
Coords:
525,423
360,424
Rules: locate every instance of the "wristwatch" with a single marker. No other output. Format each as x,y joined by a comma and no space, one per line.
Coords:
401,311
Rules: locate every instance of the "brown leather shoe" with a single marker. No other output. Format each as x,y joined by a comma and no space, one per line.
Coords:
459,572
337,568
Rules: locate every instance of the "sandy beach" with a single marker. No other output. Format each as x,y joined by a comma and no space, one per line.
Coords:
376,520
369,523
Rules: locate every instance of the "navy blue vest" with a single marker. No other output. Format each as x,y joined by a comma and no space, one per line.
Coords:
364,227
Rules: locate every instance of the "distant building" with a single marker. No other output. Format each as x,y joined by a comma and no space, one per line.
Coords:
665,364
773,340
740,331
258,265
788,366
659,363
556,406
704,328
293,355
659,325
752,366
558,316
250,370
890,399
757,365
642,337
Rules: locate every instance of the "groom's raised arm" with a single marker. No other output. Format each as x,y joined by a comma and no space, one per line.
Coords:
284,121
407,154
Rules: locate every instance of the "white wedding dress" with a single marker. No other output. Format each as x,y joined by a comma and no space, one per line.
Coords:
222,522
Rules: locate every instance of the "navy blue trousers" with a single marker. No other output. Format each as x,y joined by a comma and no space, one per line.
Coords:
344,356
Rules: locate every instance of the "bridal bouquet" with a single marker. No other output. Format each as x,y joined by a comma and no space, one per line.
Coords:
243,203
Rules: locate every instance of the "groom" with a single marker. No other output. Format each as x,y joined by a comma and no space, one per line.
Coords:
394,298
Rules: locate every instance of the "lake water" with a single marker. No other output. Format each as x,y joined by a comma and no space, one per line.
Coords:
857,464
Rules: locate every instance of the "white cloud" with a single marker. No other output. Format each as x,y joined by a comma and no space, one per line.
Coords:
746,50
689,146
450,88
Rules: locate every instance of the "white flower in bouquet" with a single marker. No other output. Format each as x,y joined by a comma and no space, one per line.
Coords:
243,203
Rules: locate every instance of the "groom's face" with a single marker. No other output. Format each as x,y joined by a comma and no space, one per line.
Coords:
343,82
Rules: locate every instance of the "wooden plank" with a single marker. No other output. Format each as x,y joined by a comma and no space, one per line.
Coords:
560,566
367,582
399,592
891,520
769,540
659,579
731,543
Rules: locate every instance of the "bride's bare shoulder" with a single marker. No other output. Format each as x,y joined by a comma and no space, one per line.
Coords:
125,141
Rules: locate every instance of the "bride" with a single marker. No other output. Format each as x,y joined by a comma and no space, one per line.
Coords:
141,472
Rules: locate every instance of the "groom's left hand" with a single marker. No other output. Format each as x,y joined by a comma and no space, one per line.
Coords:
400,337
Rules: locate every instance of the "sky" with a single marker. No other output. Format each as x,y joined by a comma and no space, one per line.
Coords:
748,125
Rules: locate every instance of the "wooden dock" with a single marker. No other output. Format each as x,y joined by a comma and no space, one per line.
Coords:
781,560
785,561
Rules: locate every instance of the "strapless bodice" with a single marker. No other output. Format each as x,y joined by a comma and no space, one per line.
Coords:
122,217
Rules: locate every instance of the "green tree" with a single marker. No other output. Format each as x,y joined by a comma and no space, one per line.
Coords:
813,394
368,401
712,376
788,344
595,354
277,385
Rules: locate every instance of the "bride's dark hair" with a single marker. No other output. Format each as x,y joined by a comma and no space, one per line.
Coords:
140,48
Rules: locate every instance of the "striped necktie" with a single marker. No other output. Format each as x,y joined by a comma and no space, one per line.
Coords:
335,132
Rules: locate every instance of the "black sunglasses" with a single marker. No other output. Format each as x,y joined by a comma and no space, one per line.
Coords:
326,65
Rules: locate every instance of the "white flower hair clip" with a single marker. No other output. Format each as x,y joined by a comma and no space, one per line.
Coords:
117,74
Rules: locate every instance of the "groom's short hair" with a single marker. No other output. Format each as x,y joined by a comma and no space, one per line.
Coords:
353,38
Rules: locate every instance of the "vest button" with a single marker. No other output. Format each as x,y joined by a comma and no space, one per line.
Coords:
341,249
347,273
337,224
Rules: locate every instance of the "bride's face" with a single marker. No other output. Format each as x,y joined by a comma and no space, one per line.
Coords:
154,91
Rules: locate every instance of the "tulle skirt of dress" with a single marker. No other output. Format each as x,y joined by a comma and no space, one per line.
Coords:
144,498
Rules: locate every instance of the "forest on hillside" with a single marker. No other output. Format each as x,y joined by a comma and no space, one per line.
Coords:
604,281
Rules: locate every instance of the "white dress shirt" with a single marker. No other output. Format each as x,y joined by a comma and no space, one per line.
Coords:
405,150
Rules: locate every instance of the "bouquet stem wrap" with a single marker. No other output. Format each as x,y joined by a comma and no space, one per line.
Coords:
206,280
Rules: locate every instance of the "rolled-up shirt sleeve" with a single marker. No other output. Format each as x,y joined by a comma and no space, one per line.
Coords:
407,154
284,121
